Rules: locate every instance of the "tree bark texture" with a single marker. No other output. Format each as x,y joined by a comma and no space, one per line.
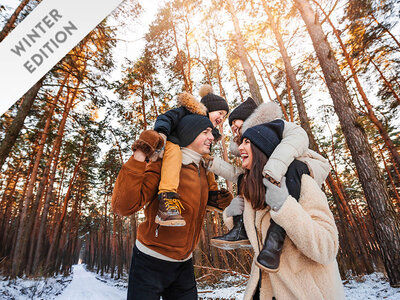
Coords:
11,21
385,221
248,71
16,126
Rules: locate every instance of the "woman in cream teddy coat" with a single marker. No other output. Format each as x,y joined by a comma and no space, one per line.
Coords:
308,267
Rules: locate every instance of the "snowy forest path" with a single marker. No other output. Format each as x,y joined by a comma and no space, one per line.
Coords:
84,285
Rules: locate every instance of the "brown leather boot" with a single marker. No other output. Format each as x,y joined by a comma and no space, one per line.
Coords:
270,255
169,210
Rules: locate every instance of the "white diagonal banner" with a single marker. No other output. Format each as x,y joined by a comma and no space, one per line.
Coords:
42,39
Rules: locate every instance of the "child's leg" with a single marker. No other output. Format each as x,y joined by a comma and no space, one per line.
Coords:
170,169
269,257
169,206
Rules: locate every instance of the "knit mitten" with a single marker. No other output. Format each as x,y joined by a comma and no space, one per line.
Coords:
236,207
276,196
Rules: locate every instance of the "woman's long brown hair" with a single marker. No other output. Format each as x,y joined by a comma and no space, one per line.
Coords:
253,188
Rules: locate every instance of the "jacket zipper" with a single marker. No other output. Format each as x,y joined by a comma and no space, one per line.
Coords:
198,217
158,226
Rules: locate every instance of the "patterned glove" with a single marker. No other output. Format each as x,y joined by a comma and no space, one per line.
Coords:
236,207
275,196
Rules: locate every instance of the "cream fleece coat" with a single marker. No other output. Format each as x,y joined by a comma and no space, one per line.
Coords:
294,144
308,268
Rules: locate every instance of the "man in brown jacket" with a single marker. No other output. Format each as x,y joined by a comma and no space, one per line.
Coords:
162,257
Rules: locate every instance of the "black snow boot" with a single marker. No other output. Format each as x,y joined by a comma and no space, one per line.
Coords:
235,238
270,255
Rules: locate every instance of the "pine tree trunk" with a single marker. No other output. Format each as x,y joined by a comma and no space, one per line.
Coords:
238,86
4,202
30,229
52,159
144,108
186,80
188,58
153,98
11,21
262,78
113,246
290,73
385,222
289,99
335,187
371,114
248,71
393,184
6,214
49,195
273,86
13,131
73,233
345,209
17,217
385,30
221,89
60,221
387,83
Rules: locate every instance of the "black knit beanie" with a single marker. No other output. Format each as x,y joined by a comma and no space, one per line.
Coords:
243,111
266,136
189,128
211,101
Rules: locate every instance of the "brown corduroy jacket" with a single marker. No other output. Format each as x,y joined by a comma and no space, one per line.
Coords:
136,187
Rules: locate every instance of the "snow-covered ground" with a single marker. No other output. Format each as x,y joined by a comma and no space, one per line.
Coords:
23,288
85,285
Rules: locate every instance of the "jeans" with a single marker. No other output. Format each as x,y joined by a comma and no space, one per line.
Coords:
150,278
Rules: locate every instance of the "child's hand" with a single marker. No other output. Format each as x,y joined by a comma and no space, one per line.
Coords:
164,137
276,196
158,153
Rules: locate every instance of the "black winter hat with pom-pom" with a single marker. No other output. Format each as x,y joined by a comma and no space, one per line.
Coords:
243,111
211,101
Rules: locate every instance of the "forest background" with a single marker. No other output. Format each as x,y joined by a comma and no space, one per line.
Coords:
331,65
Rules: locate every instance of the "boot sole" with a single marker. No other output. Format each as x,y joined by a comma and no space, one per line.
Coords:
170,223
212,208
230,245
264,268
